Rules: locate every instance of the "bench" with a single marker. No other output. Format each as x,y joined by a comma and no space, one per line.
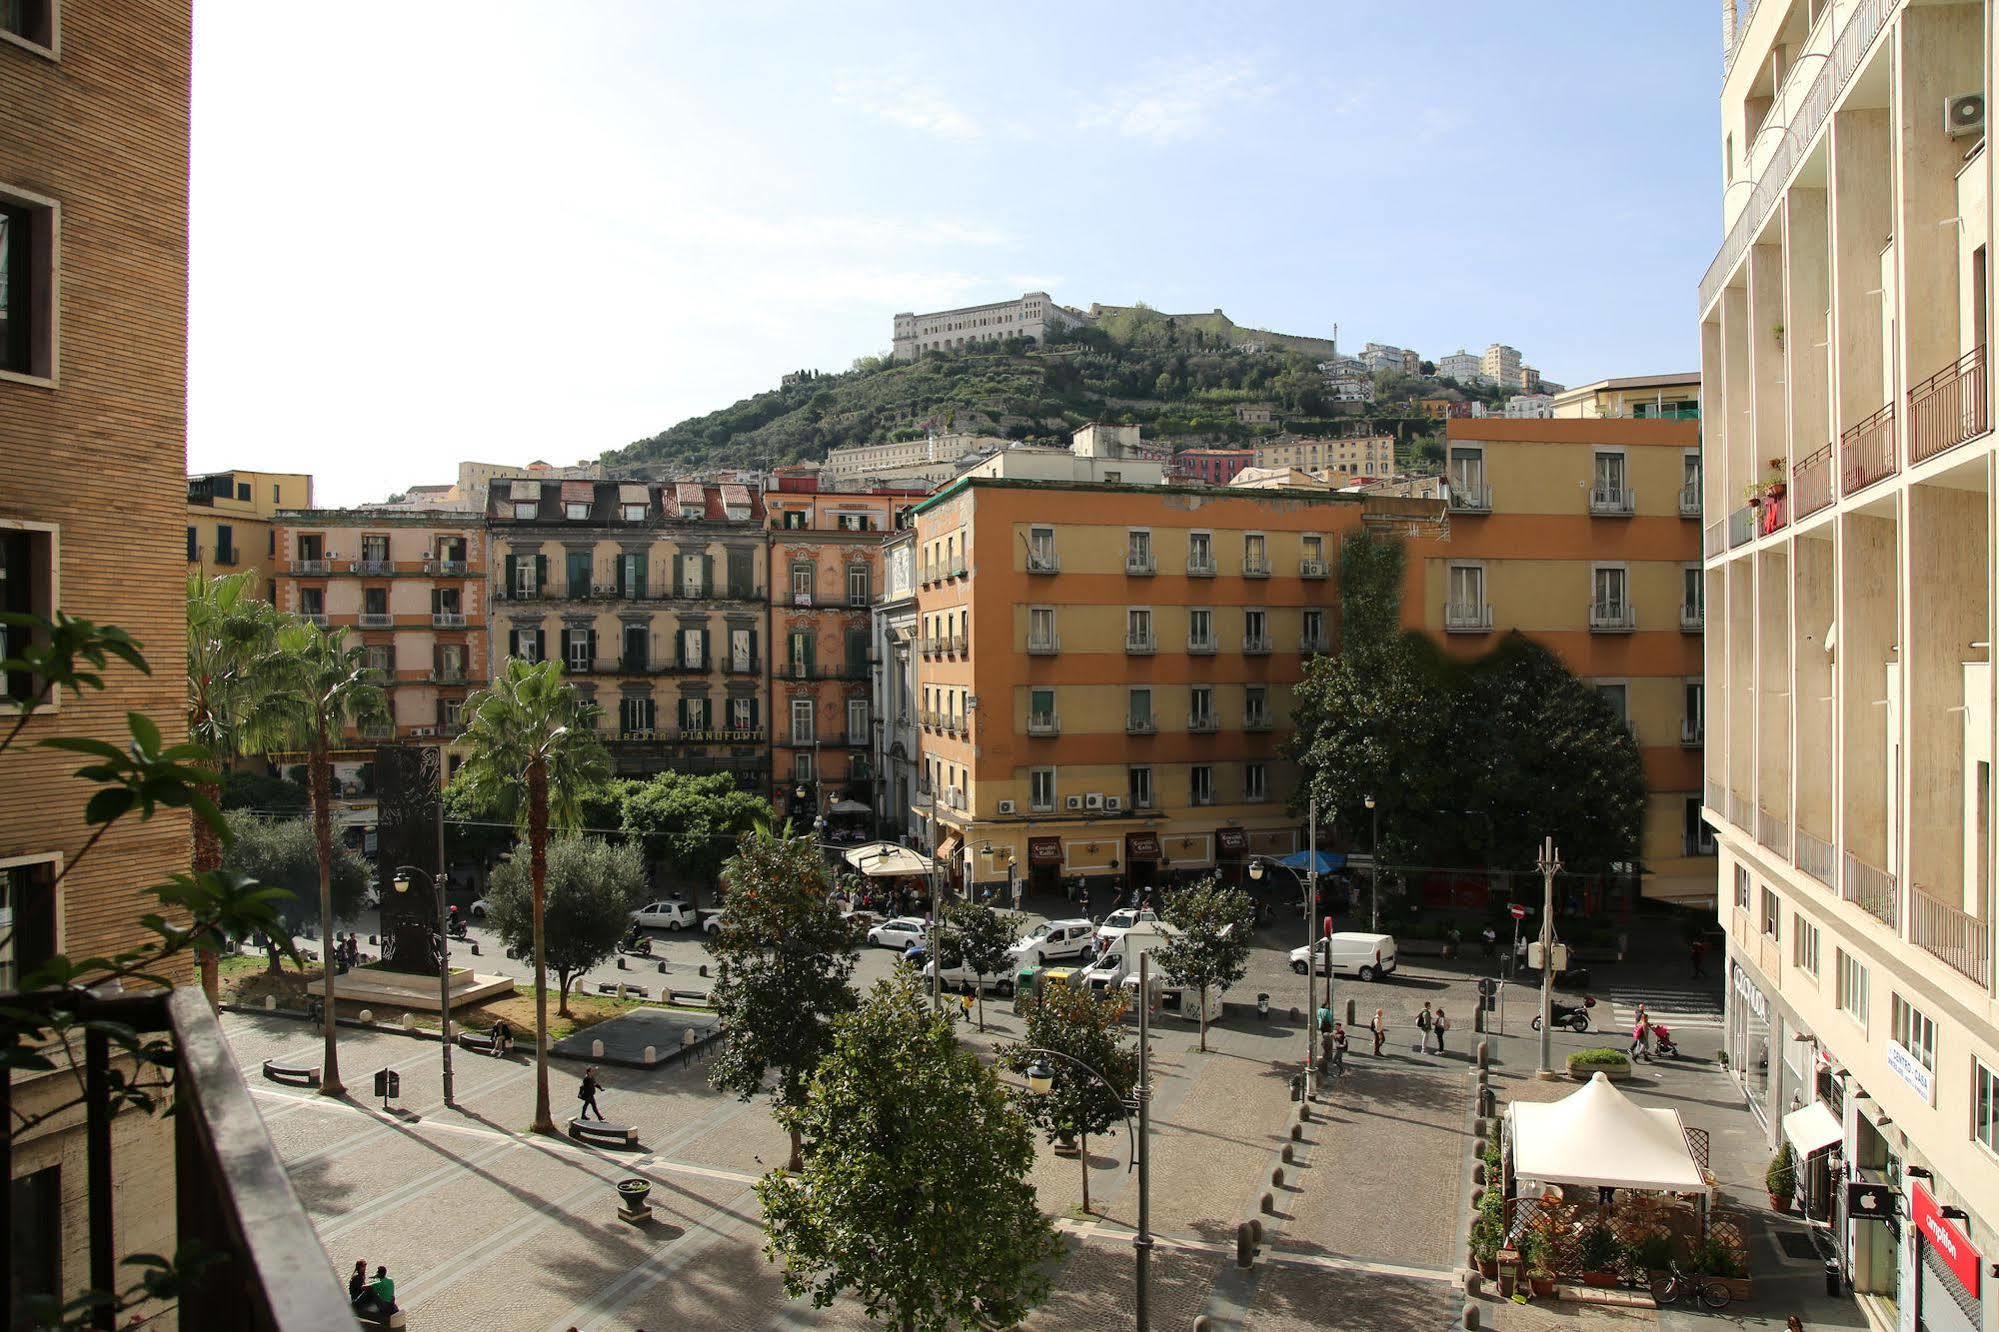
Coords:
603,1132
479,1042
621,990
388,1320
688,998
305,1075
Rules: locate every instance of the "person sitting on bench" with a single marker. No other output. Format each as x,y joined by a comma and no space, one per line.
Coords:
378,1298
503,1038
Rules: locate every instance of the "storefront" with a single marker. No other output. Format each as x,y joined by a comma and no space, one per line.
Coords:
1750,1036
1141,855
1949,1271
1231,852
1044,865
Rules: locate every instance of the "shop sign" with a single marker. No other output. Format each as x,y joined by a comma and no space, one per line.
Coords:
1910,1070
1950,1243
1870,1202
1750,994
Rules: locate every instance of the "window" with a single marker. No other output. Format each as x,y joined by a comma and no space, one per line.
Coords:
794,520
375,601
1467,593
1255,704
1255,624
636,714
1314,632
526,509
857,720
1773,915
578,648
1608,585
742,714
1138,550
1915,1032
857,585
1255,782
193,546
694,649
1141,788
631,571
634,657
802,718
32,21
576,510
379,660
1201,706
1852,982
1200,629
374,549
1200,551
27,279
1253,556
1139,709
1692,592
695,714
1609,476
1041,548
1618,695
801,767
1985,1106
1314,549
1040,709
1041,627
801,584
1201,784
1804,945
1138,628
525,644
312,602
36,1222
225,544
633,513
1741,888
1041,789
27,919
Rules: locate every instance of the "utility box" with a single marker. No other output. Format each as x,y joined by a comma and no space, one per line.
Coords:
1561,951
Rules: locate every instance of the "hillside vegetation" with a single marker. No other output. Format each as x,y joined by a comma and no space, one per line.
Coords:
1178,379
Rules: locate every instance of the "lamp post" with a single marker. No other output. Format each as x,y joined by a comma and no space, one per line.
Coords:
402,887
1041,1080
1260,866
1373,864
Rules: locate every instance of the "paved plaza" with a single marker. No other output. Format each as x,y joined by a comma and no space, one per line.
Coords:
487,1226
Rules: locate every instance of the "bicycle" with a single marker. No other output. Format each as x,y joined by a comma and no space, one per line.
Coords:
1677,1285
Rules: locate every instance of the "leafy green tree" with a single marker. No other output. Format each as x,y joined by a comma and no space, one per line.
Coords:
1088,1027
689,821
534,754
1211,951
977,935
281,853
592,888
785,972
477,824
318,688
913,1193
243,789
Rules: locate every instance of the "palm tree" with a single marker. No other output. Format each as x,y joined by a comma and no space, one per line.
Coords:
231,638
320,688
531,734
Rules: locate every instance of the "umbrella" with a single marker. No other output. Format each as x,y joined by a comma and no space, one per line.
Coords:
886,860
1302,860
850,807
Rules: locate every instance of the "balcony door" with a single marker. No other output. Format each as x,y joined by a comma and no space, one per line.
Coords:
1467,469
1467,590
1609,593
1610,476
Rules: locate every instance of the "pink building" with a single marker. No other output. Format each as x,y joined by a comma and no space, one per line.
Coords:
1214,467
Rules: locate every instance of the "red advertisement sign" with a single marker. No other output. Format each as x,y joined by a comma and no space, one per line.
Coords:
1943,1235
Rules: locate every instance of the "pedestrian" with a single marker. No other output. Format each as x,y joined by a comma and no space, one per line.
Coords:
357,1281
384,1291
1324,1017
1489,939
1380,1028
1339,1049
586,1092
503,1038
1641,1036
1424,1020
1697,950
1442,1025
1794,1324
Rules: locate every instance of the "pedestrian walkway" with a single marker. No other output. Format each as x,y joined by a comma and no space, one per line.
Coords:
1677,1008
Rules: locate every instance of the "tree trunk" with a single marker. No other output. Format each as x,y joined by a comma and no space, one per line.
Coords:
562,981
321,770
797,1151
1202,999
208,857
979,983
538,865
1083,1155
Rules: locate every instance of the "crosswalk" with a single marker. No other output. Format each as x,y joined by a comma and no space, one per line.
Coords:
1678,1008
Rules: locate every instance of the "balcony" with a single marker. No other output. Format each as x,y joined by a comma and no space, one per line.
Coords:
1871,888
1203,723
446,568
926,648
1473,617
1044,645
958,645
374,619
1690,500
1612,617
1948,408
1715,795
1811,483
1200,566
1867,452
1256,566
522,592
1773,831
311,568
1140,566
1741,527
617,592
1956,938
1201,647
1044,723
372,568
449,675
1256,645
1312,644
1693,732
314,618
1613,501
1470,496
928,719
1256,721
378,731
1312,569
1740,812
1714,539
1140,726
1693,619
1043,562
929,574
957,567
227,557
447,619
1814,857
1139,645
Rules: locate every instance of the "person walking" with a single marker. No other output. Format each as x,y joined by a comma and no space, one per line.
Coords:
1424,1020
1489,939
1696,951
1380,1028
1641,1036
586,1092
1440,1025
1339,1049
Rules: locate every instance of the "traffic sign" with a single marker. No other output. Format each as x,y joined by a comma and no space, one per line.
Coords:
1518,910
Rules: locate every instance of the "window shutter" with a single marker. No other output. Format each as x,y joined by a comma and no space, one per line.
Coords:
701,648
707,575
540,572
857,649
638,588
753,647
592,640
513,639
678,574
513,576
681,714
806,640
540,652
392,658
436,659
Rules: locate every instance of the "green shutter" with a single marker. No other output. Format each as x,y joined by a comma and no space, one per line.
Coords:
593,648
753,648
540,651
540,574
677,574
513,580
708,575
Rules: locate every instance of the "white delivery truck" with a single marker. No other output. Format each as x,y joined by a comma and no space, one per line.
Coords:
1120,956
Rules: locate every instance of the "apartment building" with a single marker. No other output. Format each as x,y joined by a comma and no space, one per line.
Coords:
1584,536
826,554
1034,316
935,455
1462,366
411,590
1530,406
1214,467
1637,397
898,738
230,527
653,596
1346,456
93,487
1849,560
1500,364
1104,674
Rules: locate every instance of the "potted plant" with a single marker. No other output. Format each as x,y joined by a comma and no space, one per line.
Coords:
1781,1177
1613,1064
1603,1255
1774,487
632,1192
1488,1231
1652,1252
1716,1257
1534,1256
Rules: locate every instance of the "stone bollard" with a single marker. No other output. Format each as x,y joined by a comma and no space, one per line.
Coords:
1304,1114
596,1049
1478,1172
1256,1232
621,961
1277,1177
270,1003
1350,1015
1471,1316
474,945
1245,1248
1483,1078
1268,1205
662,968
1288,1155
651,1056
1297,1133
367,1015
1478,1127
1477,1196
1485,1053
409,1021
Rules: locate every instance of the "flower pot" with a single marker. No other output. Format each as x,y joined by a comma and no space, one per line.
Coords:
1542,1286
632,1192
1780,1204
1488,1268
1601,1280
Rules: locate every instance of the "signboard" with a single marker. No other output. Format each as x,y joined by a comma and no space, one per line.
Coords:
1950,1243
1910,1070
1518,911
1870,1202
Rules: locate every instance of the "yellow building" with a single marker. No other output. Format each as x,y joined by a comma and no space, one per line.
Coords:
1633,397
230,527
1345,456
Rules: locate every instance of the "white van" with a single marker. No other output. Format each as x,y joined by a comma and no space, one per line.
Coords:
1183,1001
1120,957
1054,941
1368,956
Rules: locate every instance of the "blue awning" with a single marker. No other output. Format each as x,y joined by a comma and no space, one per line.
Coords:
1302,860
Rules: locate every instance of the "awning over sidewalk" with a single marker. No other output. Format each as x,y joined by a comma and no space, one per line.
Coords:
1044,851
1302,860
948,849
886,860
1812,1129
1600,1136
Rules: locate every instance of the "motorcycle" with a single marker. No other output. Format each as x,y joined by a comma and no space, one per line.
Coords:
457,929
637,944
1575,1017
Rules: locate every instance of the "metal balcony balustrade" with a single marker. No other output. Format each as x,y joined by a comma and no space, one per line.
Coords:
1774,831
227,556
1714,795
1872,888
372,568
1814,856
1201,566
957,567
1867,452
375,619
1811,483
1256,721
959,645
1740,812
1256,566
1047,644
1311,644
1714,538
1043,562
1203,646
1470,496
1613,501
1690,500
1693,731
1612,617
1139,644
1693,619
447,568
311,568
1312,569
447,619
1140,565
1948,408
1203,723
1741,527
1044,723
1467,617
1146,725
1256,645
231,1194
1953,936
315,617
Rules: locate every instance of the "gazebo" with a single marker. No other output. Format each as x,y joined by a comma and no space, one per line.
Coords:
1599,1136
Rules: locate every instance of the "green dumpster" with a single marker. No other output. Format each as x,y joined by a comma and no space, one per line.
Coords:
1023,987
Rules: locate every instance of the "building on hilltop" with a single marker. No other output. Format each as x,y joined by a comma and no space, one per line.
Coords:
1351,456
1530,406
1501,366
1636,397
1214,467
1380,358
229,523
1851,562
852,466
1035,315
1253,413
1278,478
1462,366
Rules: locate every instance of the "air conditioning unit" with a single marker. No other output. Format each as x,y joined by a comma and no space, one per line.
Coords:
1964,115
1094,800
1112,804
1006,807
1075,802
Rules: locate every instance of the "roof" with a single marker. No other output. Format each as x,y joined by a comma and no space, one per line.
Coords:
1204,493
1691,379
1598,1135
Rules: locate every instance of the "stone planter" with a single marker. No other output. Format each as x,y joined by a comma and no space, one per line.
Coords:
1614,1072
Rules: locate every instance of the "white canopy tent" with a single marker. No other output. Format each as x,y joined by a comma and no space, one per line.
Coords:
1598,1135
886,860
1812,1128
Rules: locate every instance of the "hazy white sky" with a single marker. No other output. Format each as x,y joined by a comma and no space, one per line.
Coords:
506,231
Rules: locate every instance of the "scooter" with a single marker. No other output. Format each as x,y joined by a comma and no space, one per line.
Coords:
1573,1016
456,928
640,945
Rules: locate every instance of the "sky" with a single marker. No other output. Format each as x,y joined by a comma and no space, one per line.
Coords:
503,231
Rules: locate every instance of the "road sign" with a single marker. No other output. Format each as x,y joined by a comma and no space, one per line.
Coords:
1518,910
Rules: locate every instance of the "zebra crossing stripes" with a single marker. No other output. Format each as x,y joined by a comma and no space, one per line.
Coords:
1694,1009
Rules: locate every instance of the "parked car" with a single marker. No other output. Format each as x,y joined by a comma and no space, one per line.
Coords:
711,920
668,913
1055,941
1123,919
1368,956
960,977
478,909
898,933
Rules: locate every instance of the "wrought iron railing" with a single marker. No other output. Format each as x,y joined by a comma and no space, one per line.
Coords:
1615,501
1867,451
1948,408
1470,496
1690,500
1612,617
1814,856
1871,888
1740,812
1467,617
1811,483
1955,937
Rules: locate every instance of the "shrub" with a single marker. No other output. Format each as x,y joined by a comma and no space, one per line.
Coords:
1653,1250
1716,1257
1602,1057
1602,1250
1782,1175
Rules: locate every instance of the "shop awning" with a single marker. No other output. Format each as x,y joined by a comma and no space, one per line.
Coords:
1812,1129
524,490
1142,846
948,849
886,860
632,495
1231,841
1600,1136
579,492
1044,851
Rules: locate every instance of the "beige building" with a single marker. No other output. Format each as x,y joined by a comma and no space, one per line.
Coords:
1501,365
1347,456
1850,561
848,468
1028,462
1034,316
1633,397
230,525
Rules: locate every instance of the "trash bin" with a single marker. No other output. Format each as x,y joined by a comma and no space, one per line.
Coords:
1023,988
1832,1277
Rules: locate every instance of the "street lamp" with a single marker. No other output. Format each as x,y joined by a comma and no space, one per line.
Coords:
1373,864
1259,867
402,886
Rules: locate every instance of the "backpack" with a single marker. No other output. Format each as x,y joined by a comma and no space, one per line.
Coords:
1423,1020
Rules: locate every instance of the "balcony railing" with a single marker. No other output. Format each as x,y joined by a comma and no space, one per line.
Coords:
1867,452
230,1195
1311,644
1201,647
372,568
378,731
1044,723
1467,617
1811,483
1140,725
1139,644
1312,569
314,617
1714,538
1200,566
1740,812
1470,496
1613,501
1873,889
1256,566
958,642
446,568
1948,408
1256,721
447,619
1741,527
375,619
1693,619
1612,617
1256,645
1203,723
1044,645
1693,731
1715,795
1957,938
311,568
1043,562
1690,500
1139,565
1814,856
227,557
1773,831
